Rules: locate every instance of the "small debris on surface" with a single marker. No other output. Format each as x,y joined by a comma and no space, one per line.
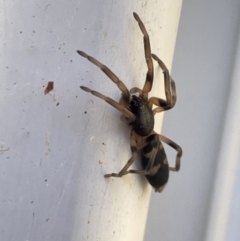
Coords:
49,87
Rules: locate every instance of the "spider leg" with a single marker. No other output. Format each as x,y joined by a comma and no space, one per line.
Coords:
124,170
177,148
125,93
125,119
147,49
135,90
150,153
131,117
170,91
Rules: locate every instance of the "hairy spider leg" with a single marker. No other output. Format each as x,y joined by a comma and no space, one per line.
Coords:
131,117
151,141
125,93
124,170
147,49
150,169
170,91
177,148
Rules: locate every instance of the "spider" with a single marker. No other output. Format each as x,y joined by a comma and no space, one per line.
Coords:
138,112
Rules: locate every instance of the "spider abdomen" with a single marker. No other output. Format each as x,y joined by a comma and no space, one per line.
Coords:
160,169
144,122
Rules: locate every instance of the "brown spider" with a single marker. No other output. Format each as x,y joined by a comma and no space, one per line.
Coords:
137,112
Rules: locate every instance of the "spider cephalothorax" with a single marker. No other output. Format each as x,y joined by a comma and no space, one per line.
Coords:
144,121
137,111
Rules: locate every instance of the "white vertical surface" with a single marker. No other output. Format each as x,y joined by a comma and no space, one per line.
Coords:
55,149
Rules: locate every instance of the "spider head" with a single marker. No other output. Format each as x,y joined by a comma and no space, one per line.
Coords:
135,104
